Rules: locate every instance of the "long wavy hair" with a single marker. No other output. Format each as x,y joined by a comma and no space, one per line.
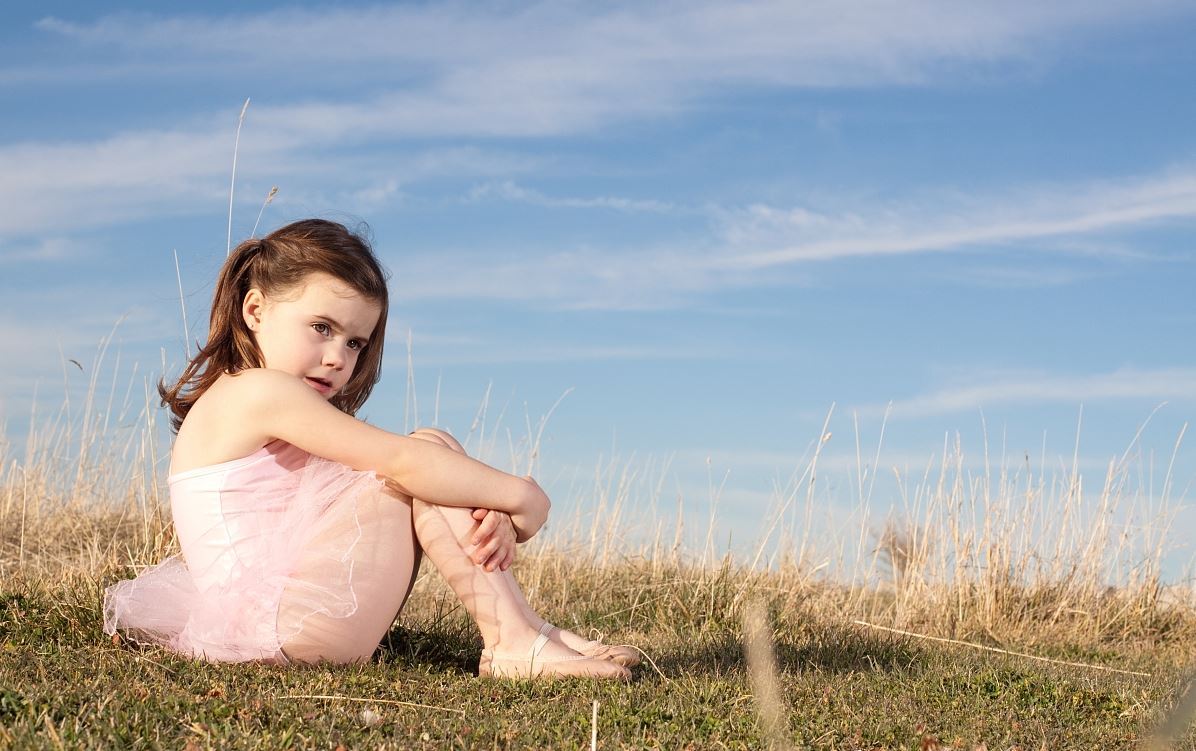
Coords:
277,264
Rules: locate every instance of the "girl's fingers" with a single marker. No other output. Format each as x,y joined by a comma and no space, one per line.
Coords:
497,554
485,552
476,555
496,560
505,555
494,543
486,528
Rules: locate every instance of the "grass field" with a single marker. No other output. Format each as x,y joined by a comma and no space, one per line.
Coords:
1020,564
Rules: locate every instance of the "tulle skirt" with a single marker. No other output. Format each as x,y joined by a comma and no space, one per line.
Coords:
284,554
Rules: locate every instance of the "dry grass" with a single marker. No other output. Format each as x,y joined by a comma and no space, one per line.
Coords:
1006,555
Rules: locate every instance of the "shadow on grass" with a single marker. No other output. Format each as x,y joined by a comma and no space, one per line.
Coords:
831,650
453,648
430,650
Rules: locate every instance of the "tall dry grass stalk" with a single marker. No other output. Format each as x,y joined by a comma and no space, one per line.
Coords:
232,181
762,672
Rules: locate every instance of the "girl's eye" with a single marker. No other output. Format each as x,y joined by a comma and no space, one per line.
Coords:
321,328
355,344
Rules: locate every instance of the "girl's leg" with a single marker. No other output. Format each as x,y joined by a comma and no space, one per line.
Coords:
385,559
493,598
624,655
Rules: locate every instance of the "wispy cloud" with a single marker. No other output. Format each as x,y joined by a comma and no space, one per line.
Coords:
62,187
1165,384
510,191
462,69
657,46
1012,276
43,185
840,461
762,236
549,70
610,278
41,250
1066,221
494,353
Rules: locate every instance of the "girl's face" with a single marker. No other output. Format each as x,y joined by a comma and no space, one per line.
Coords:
315,332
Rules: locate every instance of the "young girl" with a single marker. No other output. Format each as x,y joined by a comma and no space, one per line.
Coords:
301,526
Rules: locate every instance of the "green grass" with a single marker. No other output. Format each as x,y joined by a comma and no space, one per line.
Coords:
64,684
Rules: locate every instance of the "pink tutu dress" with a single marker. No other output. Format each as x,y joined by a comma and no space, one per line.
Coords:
284,556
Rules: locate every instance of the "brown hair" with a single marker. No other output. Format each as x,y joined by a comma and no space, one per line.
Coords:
276,264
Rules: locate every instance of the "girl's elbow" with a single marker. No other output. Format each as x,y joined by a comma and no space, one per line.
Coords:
536,499
535,511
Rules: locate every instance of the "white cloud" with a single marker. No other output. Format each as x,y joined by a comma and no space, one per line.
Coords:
376,196
1021,277
539,353
42,249
750,246
647,278
761,236
69,191
1165,384
1062,220
73,185
507,190
457,70
665,45
128,176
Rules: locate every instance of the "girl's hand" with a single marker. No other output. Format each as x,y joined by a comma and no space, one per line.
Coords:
493,540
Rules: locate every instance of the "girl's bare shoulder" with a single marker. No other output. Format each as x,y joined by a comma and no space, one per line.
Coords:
241,413
234,393
215,429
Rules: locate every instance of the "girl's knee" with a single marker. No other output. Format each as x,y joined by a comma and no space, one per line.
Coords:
436,435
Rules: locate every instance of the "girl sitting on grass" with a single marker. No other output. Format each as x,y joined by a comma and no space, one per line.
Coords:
301,527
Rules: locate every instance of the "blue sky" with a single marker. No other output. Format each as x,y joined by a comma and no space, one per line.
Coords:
707,222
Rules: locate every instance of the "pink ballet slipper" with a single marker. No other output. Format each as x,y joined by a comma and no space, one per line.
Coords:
533,666
617,653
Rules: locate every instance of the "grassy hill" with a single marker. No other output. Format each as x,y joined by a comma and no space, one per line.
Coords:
1017,614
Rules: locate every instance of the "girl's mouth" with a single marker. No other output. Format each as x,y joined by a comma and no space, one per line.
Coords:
319,384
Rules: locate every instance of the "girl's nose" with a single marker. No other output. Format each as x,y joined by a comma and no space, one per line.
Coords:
334,356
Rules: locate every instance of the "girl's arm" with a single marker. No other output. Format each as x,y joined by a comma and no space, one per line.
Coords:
280,405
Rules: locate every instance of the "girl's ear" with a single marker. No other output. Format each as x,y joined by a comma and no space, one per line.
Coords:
251,308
